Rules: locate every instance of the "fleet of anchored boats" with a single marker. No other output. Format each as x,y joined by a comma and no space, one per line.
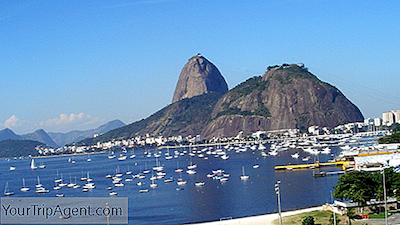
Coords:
147,179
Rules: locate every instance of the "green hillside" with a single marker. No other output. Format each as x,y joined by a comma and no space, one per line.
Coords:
185,117
17,148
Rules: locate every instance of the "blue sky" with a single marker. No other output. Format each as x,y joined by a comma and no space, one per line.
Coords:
68,65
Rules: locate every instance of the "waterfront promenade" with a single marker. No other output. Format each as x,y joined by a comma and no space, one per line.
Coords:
261,219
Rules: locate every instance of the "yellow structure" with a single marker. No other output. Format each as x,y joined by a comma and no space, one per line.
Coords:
374,153
343,164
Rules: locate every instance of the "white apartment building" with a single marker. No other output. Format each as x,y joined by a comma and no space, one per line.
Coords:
377,122
396,116
388,118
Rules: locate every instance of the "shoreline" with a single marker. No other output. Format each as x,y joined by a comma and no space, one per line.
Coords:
260,219
66,155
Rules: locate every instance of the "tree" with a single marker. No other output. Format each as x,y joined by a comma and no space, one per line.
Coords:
309,220
358,186
350,214
395,128
394,138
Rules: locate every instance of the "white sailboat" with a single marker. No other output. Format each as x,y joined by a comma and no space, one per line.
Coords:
273,152
261,147
191,166
244,176
178,170
199,184
295,155
41,190
24,188
33,165
41,165
326,150
158,167
111,155
181,181
76,185
145,171
56,187
191,172
132,154
255,166
225,156
153,185
122,157
58,180
71,184
167,155
6,191
39,187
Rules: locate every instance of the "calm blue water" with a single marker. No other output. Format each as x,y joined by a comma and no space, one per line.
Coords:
167,205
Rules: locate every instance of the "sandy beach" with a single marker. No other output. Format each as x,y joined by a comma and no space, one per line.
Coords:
261,219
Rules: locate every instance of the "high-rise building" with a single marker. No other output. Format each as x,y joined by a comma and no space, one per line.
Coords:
377,122
396,116
388,118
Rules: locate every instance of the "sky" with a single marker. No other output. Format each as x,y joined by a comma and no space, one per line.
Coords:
75,65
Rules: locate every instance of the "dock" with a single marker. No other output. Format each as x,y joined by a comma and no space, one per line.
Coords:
343,164
324,174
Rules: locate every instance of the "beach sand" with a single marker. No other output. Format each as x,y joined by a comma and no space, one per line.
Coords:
262,219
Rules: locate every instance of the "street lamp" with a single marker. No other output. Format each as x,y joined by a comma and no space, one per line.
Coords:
384,195
277,191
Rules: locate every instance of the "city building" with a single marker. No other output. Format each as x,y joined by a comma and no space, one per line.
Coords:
388,118
396,116
377,122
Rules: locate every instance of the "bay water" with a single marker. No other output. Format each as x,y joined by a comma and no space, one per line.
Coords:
170,203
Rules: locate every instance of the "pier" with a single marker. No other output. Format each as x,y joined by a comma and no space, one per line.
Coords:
343,164
324,174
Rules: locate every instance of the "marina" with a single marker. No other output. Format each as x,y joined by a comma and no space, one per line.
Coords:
196,185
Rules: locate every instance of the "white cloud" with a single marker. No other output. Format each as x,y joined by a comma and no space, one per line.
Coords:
62,123
72,121
13,122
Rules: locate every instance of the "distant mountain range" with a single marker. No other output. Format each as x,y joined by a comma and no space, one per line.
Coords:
62,139
58,139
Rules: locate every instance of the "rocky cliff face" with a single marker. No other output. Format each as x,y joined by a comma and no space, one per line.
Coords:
286,96
199,76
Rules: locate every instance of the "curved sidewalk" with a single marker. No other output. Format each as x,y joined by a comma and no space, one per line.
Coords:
262,219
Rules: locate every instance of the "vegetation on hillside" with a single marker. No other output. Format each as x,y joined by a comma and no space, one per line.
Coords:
17,148
293,71
394,138
241,91
175,119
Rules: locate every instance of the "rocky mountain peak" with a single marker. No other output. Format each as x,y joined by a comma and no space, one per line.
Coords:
285,97
285,72
199,76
